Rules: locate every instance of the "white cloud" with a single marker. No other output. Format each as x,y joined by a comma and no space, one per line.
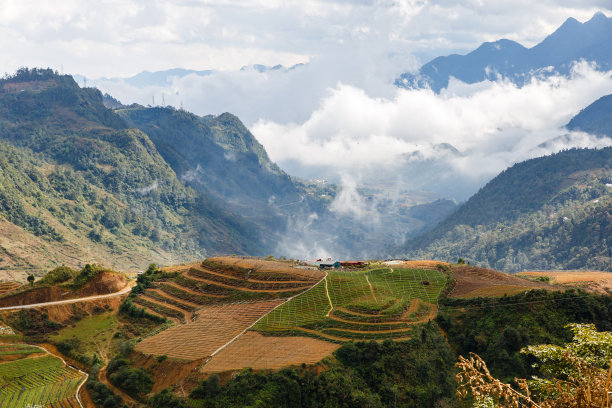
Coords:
493,125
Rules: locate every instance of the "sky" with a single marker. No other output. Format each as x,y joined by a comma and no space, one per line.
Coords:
338,116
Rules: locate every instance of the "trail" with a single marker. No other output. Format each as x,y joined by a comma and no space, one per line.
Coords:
328,297
85,375
123,291
258,320
371,289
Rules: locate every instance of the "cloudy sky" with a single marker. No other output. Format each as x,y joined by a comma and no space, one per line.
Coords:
341,103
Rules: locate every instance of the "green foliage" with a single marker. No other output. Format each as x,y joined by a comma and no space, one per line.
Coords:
34,324
135,381
165,399
128,308
497,329
101,395
553,212
417,373
60,274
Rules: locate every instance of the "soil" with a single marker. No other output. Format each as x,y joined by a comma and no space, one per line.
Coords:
473,281
214,327
102,284
592,281
169,373
266,352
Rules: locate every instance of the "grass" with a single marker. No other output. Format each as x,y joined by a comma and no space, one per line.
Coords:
379,296
91,334
36,381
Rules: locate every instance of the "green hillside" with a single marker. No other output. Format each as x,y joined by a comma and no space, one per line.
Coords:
79,185
553,212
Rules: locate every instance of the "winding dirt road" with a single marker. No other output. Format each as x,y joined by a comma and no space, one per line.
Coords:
123,291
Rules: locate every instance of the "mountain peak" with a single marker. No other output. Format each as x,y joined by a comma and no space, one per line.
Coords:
598,17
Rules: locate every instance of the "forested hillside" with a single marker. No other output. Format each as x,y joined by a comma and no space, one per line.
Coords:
80,185
545,213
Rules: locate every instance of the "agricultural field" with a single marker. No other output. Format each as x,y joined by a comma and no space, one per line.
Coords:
268,353
38,381
226,280
6,287
360,305
215,326
473,281
592,281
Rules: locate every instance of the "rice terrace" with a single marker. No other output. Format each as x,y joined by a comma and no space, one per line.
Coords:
233,313
31,377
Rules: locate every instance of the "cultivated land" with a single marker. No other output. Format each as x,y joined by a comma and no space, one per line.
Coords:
36,380
472,281
369,304
215,302
593,281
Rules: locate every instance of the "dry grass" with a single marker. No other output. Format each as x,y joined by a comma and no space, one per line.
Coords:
593,281
423,264
472,281
265,352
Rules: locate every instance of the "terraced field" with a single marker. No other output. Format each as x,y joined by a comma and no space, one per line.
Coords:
215,326
350,305
6,287
222,281
216,301
43,381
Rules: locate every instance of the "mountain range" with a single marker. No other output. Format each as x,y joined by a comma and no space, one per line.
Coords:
573,41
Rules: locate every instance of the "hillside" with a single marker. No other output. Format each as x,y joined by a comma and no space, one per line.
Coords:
552,212
595,118
219,156
80,185
573,41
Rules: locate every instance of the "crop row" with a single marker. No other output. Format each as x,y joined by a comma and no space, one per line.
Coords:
166,311
158,296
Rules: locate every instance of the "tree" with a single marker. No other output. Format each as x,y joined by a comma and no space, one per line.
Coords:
575,375
31,279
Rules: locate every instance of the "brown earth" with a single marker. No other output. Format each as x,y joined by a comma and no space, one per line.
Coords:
471,281
102,284
592,281
66,313
214,327
266,352
424,264
169,373
261,265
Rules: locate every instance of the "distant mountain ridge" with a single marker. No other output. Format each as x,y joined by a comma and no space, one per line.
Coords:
78,184
573,41
595,118
553,212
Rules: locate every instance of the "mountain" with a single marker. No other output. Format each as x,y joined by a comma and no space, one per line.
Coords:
218,155
80,185
553,212
595,118
573,41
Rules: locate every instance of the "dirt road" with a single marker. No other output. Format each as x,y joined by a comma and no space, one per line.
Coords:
123,291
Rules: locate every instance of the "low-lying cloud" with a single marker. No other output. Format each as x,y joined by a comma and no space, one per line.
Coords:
454,141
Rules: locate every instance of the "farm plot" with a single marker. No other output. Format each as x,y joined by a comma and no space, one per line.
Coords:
372,304
37,381
214,326
223,281
6,287
267,352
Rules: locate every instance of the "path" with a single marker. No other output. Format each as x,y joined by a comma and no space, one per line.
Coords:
328,298
371,289
85,375
123,291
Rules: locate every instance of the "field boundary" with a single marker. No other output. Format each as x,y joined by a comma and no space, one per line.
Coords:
258,320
